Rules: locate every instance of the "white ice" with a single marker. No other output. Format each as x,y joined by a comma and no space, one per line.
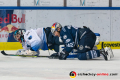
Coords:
19,68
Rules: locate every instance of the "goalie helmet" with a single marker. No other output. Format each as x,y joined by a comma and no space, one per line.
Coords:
55,26
21,33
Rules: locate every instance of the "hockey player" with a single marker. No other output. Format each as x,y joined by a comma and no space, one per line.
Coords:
82,39
35,39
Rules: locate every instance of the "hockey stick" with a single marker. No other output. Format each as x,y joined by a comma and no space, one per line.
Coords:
3,52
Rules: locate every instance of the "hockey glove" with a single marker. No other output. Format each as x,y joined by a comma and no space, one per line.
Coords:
63,55
26,52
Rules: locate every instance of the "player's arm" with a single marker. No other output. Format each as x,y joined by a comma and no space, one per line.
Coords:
54,40
32,49
50,38
29,49
69,45
33,42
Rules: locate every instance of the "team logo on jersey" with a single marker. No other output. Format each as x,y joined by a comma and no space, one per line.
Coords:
72,74
30,37
65,37
81,47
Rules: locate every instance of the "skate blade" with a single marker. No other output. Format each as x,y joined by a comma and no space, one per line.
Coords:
53,57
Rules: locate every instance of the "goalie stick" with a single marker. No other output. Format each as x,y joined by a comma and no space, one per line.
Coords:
3,52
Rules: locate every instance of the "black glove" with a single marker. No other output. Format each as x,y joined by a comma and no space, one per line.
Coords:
54,56
63,55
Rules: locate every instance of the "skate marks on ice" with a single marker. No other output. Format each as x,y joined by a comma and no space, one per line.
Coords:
18,68
45,53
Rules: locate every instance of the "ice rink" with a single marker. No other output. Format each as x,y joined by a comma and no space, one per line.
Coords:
19,68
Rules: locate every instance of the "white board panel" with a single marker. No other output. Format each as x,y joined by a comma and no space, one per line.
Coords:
70,3
115,25
115,3
26,2
88,3
8,2
41,2
98,21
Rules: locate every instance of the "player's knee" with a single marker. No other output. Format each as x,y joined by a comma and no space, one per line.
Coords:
81,56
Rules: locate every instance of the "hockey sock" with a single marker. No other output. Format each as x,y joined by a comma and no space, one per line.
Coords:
88,55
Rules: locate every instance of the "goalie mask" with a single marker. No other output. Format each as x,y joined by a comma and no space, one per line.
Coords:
55,26
19,35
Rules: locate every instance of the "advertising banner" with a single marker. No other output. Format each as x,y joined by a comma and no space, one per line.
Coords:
10,20
36,17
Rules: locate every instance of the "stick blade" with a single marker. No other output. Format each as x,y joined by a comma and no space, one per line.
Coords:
3,52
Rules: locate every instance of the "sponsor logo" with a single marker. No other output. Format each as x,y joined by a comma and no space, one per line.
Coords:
117,44
36,2
72,74
111,44
82,2
14,19
9,28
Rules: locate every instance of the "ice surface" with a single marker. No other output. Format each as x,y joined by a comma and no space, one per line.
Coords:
19,68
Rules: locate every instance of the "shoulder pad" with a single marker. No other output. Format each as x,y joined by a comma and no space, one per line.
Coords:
63,29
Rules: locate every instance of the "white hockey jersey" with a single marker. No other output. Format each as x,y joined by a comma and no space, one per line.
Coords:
35,39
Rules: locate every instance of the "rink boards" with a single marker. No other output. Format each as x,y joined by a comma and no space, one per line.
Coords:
17,45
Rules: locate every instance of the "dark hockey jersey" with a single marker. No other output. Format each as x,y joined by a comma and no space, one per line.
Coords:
71,36
68,36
